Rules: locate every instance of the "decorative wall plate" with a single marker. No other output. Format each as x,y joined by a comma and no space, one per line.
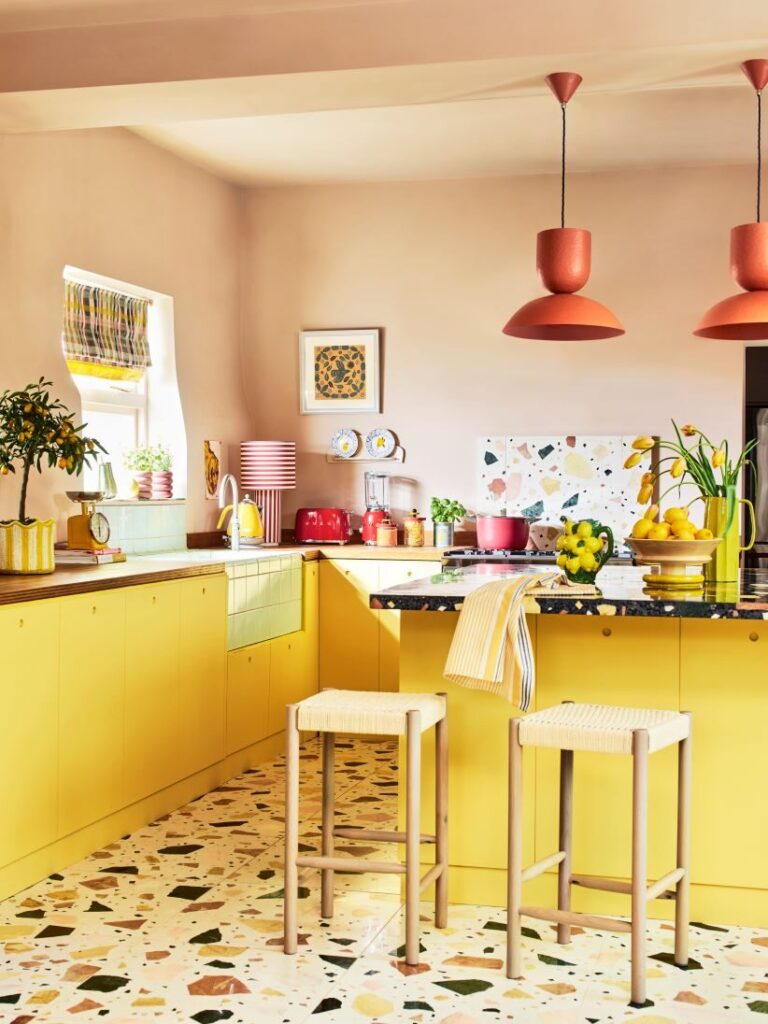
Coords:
345,443
380,443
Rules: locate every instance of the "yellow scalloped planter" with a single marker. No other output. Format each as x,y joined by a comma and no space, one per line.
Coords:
27,548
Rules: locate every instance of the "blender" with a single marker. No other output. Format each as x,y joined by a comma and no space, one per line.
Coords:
376,504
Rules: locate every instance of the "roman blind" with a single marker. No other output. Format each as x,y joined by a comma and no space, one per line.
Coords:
105,332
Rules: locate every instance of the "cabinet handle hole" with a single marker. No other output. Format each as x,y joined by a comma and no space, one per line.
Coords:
93,610
754,637
203,589
154,599
607,631
21,623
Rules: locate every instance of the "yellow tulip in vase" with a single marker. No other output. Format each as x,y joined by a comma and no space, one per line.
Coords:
709,468
36,429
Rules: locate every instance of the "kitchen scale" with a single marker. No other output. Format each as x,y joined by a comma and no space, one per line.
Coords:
89,530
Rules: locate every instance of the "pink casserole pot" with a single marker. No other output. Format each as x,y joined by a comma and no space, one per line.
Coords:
503,532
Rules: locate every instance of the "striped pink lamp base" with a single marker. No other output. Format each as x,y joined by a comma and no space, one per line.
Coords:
271,504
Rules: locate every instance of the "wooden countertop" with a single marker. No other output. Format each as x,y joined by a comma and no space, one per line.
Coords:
83,579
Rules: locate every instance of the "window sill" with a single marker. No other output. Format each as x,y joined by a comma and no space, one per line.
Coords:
140,502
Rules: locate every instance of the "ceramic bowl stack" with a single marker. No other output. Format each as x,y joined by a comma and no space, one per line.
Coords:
268,468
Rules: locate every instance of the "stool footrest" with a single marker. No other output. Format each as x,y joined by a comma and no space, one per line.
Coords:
376,835
543,865
608,924
351,864
656,890
431,876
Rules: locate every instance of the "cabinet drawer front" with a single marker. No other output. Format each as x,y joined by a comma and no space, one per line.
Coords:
92,711
247,696
724,666
152,692
29,707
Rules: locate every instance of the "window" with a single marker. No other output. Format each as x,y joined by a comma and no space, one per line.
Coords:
119,346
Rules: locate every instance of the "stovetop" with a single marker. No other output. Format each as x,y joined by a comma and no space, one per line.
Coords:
463,556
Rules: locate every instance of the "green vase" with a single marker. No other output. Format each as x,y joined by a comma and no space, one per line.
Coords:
724,566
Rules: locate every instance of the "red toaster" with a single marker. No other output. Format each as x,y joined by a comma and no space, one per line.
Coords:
322,526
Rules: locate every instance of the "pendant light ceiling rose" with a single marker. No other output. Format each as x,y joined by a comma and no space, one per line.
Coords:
564,84
563,258
744,317
757,72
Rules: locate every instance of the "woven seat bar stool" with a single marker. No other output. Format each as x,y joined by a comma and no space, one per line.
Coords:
639,732
369,713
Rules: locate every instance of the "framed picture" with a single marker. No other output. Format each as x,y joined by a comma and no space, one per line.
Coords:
339,371
212,467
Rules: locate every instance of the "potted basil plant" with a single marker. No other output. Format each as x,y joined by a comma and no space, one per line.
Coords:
445,513
36,430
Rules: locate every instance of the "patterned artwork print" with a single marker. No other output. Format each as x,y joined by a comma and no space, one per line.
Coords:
340,372
181,922
548,477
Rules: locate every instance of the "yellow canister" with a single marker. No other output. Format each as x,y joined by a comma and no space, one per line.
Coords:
414,530
386,534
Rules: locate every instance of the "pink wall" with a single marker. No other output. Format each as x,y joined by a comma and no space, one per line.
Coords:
440,266
108,202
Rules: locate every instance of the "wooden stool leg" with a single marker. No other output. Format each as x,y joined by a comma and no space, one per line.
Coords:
412,834
639,863
441,820
683,891
290,868
326,898
565,841
515,852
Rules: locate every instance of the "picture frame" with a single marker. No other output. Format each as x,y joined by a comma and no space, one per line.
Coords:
339,371
212,468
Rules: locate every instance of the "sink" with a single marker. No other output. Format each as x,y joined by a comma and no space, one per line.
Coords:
211,555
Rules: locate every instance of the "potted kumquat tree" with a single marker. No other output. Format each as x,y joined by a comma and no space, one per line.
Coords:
36,431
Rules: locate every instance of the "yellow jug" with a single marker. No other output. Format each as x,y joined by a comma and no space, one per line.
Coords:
251,526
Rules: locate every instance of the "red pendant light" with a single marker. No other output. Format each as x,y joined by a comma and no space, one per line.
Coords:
744,317
563,262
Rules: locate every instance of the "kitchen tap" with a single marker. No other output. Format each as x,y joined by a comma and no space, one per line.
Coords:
234,522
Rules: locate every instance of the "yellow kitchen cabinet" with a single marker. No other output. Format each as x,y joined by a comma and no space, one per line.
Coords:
391,574
92,708
477,776
202,640
310,621
349,629
289,681
29,709
633,662
723,683
152,689
247,695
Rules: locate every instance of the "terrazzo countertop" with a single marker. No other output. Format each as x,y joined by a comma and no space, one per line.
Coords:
622,592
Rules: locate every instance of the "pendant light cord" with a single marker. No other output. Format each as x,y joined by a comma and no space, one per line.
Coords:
759,148
562,174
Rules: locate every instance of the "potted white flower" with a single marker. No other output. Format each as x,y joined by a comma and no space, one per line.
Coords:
150,466
36,430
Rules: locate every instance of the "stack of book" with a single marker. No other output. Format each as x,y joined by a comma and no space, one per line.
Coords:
85,556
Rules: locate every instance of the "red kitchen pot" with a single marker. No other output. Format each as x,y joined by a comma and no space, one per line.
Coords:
503,532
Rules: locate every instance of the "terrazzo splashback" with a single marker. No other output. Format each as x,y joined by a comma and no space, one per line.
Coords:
549,477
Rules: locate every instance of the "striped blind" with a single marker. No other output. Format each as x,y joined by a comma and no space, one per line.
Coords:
105,332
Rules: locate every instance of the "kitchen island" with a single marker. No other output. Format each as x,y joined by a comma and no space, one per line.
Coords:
705,653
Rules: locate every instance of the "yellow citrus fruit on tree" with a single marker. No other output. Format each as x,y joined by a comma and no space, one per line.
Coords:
659,531
642,528
704,534
673,514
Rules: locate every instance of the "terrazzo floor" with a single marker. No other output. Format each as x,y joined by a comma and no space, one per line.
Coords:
182,922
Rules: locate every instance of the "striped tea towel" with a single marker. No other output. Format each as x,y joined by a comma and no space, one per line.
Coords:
491,648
